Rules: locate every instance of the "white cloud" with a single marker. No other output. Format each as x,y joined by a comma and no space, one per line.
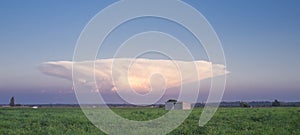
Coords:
139,74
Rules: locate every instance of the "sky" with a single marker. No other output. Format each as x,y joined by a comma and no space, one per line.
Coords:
260,41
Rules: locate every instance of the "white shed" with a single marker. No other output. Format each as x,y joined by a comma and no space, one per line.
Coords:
174,105
35,107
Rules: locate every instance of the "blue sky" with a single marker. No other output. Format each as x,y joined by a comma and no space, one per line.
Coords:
260,40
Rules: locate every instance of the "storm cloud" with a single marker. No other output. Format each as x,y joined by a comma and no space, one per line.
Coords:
139,74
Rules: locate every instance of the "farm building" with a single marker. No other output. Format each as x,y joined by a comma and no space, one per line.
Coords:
174,105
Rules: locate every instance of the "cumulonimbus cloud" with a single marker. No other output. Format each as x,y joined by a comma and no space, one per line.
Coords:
138,74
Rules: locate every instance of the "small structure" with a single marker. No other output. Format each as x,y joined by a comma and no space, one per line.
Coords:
174,105
35,107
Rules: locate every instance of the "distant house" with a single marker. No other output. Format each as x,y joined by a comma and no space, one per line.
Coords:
174,105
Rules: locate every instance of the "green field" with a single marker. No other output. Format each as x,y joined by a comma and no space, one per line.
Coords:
71,121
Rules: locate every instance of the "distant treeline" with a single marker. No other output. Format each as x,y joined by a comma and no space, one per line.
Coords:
222,104
254,104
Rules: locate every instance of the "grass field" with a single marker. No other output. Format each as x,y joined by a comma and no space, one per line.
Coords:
71,121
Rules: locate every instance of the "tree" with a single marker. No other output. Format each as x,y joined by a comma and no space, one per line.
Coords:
12,101
244,104
172,100
276,103
161,106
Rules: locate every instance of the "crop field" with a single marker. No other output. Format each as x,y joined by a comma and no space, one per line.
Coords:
72,121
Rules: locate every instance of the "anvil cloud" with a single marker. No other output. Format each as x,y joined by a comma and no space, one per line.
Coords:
140,75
